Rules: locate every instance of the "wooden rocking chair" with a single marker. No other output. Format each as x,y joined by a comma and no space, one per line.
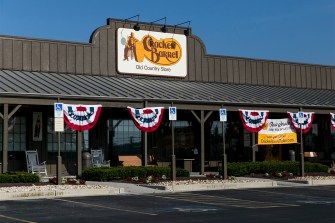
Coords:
98,159
33,165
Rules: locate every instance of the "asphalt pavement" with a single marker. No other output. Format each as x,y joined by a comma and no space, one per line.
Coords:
308,204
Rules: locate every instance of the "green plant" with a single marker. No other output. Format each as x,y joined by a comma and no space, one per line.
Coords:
128,172
19,177
245,168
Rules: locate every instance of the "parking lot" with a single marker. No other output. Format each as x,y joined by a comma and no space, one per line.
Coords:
284,204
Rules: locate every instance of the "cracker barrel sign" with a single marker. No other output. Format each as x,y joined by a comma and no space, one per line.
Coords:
151,53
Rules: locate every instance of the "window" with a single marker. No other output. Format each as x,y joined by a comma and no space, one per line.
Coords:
1,134
332,138
68,141
17,134
124,138
185,135
184,141
1,121
311,139
216,141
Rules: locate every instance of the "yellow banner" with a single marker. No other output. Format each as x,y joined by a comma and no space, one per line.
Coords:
285,138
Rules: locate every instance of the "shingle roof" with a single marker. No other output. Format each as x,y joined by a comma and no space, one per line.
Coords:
37,84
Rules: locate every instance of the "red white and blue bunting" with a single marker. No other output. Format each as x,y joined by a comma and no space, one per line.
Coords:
81,117
306,125
253,120
147,119
332,120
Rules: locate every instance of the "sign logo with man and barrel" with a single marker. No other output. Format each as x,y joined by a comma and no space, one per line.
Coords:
151,53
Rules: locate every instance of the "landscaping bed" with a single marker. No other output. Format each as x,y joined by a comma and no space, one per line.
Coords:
278,170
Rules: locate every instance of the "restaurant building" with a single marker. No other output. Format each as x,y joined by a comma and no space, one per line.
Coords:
122,67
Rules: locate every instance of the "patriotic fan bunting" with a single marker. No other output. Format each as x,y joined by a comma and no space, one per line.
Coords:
332,120
253,120
147,119
81,117
306,125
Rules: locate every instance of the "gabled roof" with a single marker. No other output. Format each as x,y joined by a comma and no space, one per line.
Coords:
23,84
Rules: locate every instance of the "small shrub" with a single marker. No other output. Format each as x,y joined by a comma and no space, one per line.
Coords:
19,177
245,168
129,172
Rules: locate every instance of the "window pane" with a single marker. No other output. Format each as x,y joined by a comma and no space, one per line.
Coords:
124,137
16,134
68,141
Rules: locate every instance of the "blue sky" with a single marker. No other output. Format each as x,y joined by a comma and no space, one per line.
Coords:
286,30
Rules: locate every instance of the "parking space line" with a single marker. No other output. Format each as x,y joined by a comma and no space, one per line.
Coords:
16,219
222,201
283,193
259,204
100,206
182,199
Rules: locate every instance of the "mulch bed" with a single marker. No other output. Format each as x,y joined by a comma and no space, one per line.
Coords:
285,177
142,181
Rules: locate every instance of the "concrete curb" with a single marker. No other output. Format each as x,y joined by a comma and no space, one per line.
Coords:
217,186
58,193
314,182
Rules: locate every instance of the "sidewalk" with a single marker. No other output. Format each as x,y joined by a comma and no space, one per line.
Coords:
205,184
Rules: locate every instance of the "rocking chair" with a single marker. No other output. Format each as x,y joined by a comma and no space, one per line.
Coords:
33,165
98,158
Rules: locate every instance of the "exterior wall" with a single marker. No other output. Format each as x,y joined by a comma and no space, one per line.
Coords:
99,58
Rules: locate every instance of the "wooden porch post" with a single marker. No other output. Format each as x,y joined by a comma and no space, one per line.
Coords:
202,121
202,147
5,139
